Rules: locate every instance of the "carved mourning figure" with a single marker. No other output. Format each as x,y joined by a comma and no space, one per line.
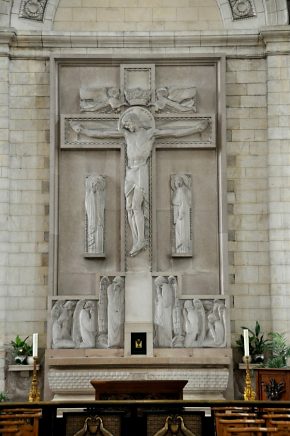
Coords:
116,312
93,99
217,324
95,213
181,209
85,324
177,99
62,324
137,126
103,313
163,317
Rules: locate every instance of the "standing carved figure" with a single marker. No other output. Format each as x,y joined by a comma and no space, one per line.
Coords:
137,126
103,313
164,312
116,313
191,323
216,323
95,213
181,202
84,324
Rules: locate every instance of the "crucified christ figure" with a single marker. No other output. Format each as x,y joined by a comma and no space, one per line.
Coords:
137,126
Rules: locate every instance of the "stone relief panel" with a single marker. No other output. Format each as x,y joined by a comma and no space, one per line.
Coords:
186,323
95,215
33,9
73,324
242,9
138,84
111,312
102,100
88,323
181,210
171,99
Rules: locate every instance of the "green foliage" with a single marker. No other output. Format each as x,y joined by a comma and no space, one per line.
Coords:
21,347
280,350
3,397
257,343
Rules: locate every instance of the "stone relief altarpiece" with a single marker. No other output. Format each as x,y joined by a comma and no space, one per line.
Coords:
138,192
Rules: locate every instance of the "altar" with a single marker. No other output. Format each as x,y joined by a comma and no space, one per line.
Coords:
138,269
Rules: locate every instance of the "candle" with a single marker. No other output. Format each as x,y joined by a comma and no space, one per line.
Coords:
246,342
35,344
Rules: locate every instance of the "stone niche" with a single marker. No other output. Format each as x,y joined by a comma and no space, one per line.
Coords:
138,266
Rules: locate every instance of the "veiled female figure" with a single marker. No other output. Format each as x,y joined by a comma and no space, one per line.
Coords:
116,313
181,203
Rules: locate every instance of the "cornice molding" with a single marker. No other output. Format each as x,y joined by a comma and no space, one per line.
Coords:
259,42
135,39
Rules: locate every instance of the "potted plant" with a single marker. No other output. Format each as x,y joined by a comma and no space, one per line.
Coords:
3,397
279,349
257,343
21,349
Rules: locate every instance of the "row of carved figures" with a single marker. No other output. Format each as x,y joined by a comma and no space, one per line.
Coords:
178,322
186,323
180,204
105,99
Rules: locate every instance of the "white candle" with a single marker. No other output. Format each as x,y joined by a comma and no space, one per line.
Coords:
35,344
246,342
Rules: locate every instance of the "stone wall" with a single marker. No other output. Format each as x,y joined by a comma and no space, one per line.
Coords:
278,85
4,205
133,15
258,115
247,160
27,251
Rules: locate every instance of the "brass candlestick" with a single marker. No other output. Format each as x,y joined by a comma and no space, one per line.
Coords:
34,393
249,393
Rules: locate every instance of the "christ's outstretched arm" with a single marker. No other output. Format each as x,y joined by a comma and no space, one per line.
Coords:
198,126
96,133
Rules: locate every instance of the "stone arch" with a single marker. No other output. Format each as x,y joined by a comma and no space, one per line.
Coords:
267,12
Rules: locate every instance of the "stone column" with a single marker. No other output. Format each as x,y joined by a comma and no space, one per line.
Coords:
278,63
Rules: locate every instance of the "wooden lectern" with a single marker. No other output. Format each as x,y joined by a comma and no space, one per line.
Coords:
138,389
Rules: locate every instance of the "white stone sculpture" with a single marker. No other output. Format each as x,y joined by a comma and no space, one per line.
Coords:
217,324
103,313
85,324
95,213
181,205
163,317
137,126
116,313
62,324
178,99
93,99
191,324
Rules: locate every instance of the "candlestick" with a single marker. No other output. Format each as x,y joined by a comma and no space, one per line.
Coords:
249,393
35,345
34,393
246,342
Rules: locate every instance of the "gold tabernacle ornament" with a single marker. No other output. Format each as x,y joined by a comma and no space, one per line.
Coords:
249,393
34,393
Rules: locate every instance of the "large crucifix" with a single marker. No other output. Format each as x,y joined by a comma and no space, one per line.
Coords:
137,126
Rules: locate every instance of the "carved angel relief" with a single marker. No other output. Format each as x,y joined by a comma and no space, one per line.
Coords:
186,323
176,99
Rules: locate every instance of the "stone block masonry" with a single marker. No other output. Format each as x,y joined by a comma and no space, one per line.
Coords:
26,277
247,158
